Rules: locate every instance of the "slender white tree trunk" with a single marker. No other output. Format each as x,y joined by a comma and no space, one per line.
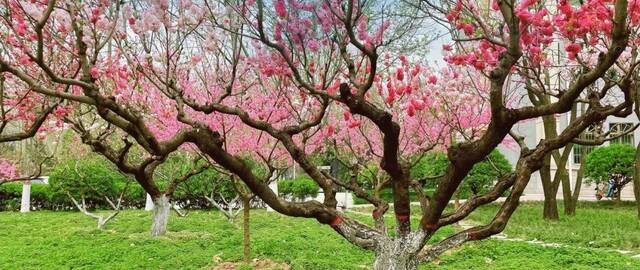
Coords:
148,206
229,211
274,187
161,210
101,222
25,203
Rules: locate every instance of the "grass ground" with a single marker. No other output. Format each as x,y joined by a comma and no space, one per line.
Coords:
65,240
603,224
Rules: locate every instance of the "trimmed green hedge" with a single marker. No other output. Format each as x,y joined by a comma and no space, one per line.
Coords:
42,197
93,175
298,188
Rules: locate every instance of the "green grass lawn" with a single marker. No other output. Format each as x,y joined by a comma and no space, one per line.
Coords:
68,240
603,224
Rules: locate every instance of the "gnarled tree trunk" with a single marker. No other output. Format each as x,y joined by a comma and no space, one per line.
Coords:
399,253
161,210
395,261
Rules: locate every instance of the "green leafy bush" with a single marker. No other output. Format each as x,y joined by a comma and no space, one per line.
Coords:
430,165
613,159
10,196
366,176
92,178
298,188
191,194
485,173
479,180
42,197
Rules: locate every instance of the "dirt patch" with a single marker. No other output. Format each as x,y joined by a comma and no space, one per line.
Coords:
256,264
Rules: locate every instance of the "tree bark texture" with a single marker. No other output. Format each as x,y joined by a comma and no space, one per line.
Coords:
161,210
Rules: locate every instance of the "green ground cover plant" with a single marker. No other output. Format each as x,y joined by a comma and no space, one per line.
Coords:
65,240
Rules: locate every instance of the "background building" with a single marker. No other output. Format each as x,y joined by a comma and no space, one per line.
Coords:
533,131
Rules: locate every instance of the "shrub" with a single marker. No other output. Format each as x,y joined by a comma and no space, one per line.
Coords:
430,165
479,179
42,197
10,196
91,178
299,188
192,193
485,173
613,159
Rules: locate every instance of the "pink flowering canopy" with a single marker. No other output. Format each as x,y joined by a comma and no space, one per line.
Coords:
8,170
281,80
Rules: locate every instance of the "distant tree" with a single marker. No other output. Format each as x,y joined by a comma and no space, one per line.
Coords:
479,180
614,162
299,188
91,182
229,194
212,188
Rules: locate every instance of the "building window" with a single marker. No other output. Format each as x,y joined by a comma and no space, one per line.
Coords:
619,128
581,151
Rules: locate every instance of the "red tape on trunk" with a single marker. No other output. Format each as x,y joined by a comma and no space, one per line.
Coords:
402,218
375,214
472,236
337,221
431,227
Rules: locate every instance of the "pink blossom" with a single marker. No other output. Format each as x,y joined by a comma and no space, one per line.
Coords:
281,9
20,28
433,79
399,74
195,58
573,48
313,45
8,169
347,115
95,72
411,111
24,60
